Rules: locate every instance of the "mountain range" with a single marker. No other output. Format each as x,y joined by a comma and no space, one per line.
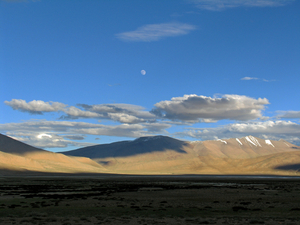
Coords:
166,155
17,158
157,155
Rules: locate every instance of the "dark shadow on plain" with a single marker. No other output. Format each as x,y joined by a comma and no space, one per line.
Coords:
25,173
289,167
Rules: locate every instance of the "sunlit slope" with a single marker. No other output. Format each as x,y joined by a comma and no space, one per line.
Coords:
242,148
17,156
165,155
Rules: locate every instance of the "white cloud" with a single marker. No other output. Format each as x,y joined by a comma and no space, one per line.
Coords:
74,112
155,32
218,5
249,78
56,132
44,126
289,114
187,109
123,113
255,78
136,122
193,108
124,118
265,80
43,140
35,106
273,130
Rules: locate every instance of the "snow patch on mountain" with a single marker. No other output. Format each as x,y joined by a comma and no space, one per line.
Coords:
222,141
253,140
239,141
268,142
286,144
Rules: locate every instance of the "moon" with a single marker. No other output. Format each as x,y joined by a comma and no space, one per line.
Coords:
143,72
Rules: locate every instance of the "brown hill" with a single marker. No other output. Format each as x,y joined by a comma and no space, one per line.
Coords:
165,155
17,156
158,155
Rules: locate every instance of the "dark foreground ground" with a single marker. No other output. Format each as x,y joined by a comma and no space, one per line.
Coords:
149,200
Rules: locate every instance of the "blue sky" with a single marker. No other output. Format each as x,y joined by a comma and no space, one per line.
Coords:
77,73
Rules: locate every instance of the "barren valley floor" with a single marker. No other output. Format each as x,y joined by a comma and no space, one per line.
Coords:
149,200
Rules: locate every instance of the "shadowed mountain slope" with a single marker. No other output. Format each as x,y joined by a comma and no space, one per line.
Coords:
142,145
13,146
18,156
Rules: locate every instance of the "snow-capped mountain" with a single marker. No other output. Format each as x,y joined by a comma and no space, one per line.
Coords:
158,155
165,155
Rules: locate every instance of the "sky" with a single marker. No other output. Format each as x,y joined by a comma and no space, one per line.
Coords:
76,73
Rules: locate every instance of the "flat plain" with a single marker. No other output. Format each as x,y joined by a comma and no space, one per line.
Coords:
115,199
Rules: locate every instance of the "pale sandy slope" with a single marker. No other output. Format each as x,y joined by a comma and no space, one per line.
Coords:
246,155
17,156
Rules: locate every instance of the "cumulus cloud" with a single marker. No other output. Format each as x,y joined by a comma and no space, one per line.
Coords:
124,118
274,130
73,113
123,113
56,132
218,5
194,108
35,106
289,114
187,109
44,126
46,140
155,32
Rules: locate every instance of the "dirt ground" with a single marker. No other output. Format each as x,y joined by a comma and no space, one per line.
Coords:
149,200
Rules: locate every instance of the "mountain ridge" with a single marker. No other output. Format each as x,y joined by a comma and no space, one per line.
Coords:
140,145
158,155
11,145
208,146
17,156
228,156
